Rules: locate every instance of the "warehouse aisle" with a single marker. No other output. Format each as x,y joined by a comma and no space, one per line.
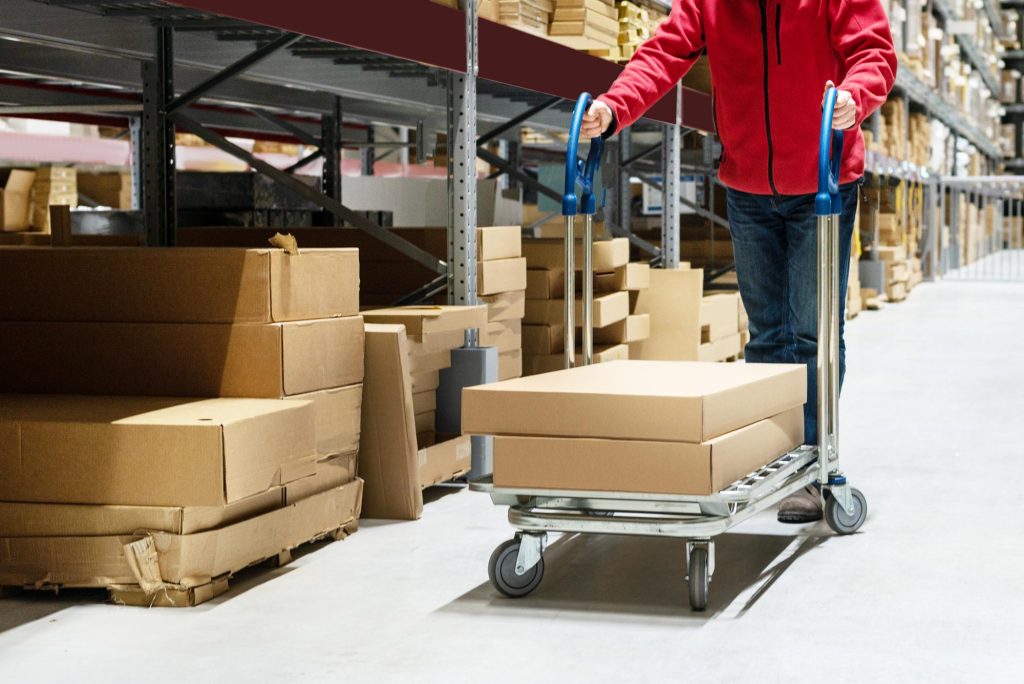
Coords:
932,588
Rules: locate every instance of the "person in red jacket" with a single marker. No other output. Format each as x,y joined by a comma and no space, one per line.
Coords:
770,61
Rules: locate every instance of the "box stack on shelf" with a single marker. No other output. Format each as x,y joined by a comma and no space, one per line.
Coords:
615,283
532,16
585,24
260,460
720,336
501,285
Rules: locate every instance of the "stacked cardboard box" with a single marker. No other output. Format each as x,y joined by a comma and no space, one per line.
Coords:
15,199
673,303
616,284
501,284
897,271
585,24
639,426
217,483
401,451
720,320
52,185
532,16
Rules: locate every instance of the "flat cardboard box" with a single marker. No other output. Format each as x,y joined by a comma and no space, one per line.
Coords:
608,309
673,302
97,520
432,342
507,336
891,253
606,465
179,285
510,365
160,561
182,359
388,460
425,320
424,401
545,284
14,200
631,278
534,364
633,329
721,349
505,306
543,339
150,451
673,401
503,275
423,382
550,254
499,242
425,422
337,413
444,461
719,317
430,361
331,473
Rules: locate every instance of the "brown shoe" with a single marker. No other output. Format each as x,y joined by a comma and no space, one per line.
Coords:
802,507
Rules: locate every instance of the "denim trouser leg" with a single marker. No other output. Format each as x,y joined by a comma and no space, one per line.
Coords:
775,248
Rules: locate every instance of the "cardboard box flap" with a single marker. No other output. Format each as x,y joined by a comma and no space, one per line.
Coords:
19,180
420,320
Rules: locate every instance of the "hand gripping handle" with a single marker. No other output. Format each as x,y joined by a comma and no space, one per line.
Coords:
578,172
827,200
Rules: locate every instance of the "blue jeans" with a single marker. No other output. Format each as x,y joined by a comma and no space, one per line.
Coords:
775,249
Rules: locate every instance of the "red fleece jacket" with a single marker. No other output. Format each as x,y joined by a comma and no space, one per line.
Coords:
769,61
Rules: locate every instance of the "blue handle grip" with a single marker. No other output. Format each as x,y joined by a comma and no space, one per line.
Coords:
827,201
578,172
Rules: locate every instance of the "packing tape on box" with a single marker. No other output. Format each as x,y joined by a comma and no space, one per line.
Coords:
144,562
286,242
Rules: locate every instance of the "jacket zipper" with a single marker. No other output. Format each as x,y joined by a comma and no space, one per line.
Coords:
778,35
714,119
767,109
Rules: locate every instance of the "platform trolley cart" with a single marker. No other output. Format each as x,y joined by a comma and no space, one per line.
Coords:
517,566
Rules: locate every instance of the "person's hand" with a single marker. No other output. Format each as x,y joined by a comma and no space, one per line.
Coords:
596,120
845,114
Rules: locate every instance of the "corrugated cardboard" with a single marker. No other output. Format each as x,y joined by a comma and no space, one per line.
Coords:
424,382
81,520
719,316
109,189
445,461
499,242
673,302
505,306
182,359
387,450
425,421
505,335
533,365
424,401
648,400
150,451
510,365
721,349
180,285
503,275
430,361
607,255
643,466
543,339
331,473
891,253
432,342
631,277
608,309
425,320
545,284
160,560
632,329
337,413
14,200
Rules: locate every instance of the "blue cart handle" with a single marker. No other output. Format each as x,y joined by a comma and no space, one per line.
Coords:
578,172
827,200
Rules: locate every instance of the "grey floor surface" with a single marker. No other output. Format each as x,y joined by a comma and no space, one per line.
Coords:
931,590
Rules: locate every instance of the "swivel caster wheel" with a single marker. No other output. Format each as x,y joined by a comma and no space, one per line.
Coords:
699,578
842,522
502,571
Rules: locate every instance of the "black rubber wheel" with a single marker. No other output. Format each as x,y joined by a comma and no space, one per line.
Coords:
502,571
700,578
839,520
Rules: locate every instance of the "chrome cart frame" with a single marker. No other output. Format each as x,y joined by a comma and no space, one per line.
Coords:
517,566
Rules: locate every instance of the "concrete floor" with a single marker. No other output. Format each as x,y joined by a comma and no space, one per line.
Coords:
932,589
